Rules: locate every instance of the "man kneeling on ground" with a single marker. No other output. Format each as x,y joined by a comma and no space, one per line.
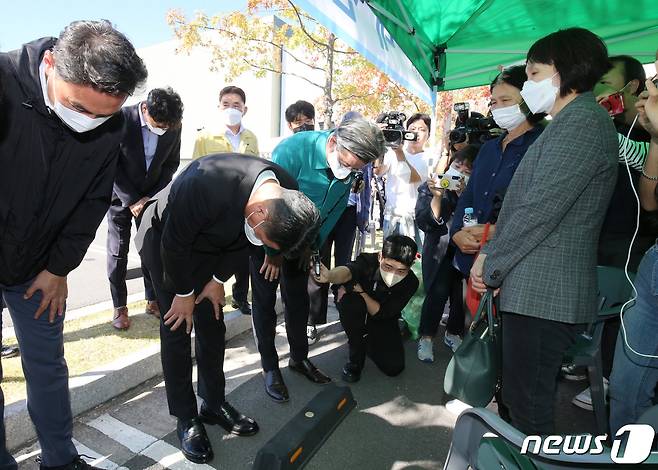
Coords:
373,290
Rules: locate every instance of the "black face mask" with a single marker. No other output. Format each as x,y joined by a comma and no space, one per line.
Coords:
304,127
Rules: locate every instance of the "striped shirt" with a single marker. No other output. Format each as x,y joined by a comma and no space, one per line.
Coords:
635,152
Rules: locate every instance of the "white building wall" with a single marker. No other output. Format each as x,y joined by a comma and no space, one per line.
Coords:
191,76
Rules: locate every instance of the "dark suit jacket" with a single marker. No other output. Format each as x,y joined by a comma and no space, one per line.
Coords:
196,224
132,181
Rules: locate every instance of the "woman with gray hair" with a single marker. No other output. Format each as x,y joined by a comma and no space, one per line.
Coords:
322,162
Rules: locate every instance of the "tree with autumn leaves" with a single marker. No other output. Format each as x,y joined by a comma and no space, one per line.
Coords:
254,41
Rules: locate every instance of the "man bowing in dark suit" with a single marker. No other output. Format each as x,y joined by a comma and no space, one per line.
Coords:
149,157
192,237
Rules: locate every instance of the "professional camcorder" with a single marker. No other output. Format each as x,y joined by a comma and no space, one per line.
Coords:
394,132
471,128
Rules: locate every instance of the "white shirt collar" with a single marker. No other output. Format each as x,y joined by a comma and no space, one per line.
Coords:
230,133
44,84
141,115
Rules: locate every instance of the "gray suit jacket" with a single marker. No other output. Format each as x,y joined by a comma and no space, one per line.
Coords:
543,255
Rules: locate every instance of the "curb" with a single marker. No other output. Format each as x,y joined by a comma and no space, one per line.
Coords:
100,385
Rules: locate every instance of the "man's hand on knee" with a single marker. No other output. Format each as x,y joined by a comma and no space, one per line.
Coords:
54,290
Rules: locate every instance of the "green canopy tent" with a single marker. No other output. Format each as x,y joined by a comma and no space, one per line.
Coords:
462,43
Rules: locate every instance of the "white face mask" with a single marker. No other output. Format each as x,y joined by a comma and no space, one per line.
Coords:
250,232
508,118
232,116
390,279
452,171
540,96
156,130
77,121
340,172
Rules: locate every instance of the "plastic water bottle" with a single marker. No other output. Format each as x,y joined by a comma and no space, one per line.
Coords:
469,217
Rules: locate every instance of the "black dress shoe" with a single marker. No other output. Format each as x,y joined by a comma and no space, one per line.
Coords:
230,419
308,370
243,306
274,386
9,351
77,464
194,441
351,372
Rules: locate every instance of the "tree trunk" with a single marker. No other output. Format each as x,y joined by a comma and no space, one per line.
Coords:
328,84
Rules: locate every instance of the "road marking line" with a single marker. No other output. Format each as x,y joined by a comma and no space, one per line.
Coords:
100,461
127,436
141,443
172,458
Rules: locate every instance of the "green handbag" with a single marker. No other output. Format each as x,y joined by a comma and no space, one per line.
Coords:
473,373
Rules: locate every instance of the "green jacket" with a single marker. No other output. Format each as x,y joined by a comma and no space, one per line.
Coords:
304,157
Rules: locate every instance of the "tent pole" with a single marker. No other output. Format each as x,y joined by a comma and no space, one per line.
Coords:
412,30
390,16
485,51
480,70
637,34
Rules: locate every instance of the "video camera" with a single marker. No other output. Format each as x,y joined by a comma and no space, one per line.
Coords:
394,132
470,128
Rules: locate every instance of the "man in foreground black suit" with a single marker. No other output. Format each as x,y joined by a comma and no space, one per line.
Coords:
149,157
190,238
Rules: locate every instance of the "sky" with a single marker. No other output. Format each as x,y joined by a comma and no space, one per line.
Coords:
143,21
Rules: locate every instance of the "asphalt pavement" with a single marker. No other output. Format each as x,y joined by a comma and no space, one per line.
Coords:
88,284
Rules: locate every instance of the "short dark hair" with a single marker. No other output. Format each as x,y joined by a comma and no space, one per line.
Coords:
165,106
633,70
420,117
515,76
300,107
294,222
233,90
93,53
466,155
400,248
578,55
350,116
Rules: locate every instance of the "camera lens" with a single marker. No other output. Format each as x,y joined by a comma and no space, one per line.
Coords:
457,136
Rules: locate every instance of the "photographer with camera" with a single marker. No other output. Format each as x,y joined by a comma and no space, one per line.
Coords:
437,200
405,170
471,128
373,290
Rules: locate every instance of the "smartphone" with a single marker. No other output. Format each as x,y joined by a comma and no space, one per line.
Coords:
614,104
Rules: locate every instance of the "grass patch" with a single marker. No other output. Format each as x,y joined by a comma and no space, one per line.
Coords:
89,342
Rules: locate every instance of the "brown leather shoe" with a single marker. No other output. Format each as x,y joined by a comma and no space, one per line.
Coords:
120,321
152,308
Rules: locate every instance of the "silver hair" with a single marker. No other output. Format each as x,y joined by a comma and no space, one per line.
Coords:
361,137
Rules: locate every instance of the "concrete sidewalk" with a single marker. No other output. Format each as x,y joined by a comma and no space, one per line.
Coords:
399,422
95,387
